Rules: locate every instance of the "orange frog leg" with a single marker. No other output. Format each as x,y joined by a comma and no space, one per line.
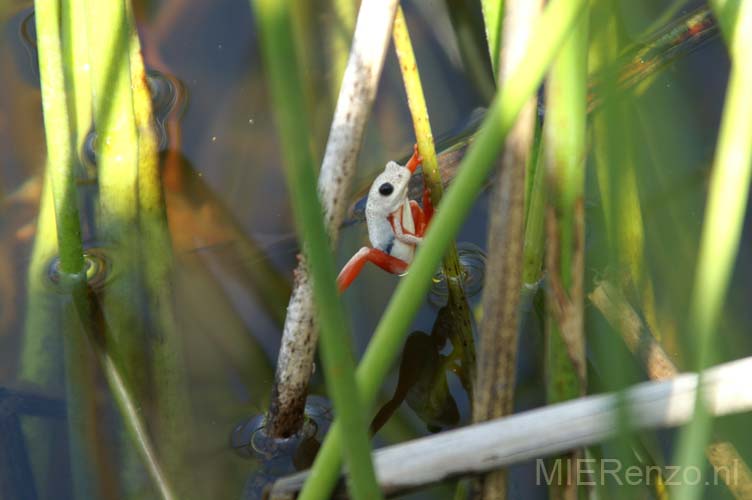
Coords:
355,265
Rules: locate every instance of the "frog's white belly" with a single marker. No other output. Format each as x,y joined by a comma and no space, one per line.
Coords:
382,236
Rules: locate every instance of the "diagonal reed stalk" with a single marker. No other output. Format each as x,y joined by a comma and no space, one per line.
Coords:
722,227
462,332
550,31
279,57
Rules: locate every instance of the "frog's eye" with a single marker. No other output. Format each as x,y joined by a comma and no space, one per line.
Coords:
386,189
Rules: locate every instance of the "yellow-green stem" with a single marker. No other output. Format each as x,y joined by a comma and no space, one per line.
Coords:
60,106
416,101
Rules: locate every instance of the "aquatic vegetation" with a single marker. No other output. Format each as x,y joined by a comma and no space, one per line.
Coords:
175,238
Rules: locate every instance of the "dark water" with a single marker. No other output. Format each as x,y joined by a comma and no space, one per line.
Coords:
230,217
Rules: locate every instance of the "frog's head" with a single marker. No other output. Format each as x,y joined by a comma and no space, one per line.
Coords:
388,191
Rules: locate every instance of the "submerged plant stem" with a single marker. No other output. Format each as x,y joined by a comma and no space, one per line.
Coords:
95,327
61,116
61,141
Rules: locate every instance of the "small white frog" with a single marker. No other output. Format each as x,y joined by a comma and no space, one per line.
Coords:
395,224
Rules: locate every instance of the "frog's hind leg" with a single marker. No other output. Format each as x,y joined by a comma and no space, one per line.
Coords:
355,265
422,216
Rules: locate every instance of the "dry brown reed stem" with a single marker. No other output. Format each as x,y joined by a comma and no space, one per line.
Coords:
567,306
722,455
295,362
497,353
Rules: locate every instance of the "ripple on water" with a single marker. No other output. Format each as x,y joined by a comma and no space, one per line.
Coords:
473,264
280,457
97,265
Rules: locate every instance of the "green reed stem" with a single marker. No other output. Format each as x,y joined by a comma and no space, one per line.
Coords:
59,204
493,11
565,140
471,45
550,31
59,135
169,379
41,361
66,122
416,101
534,246
279,55
95,327
727,11
722,227
565,143
565,151
117,155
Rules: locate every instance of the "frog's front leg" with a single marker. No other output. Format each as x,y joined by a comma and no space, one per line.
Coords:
355,265
401,234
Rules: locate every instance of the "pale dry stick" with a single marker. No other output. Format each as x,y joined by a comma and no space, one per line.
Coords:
551,430
295,362
722,455
497,353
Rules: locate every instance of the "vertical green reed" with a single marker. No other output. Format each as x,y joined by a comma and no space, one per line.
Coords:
138,307
493,11
535,201
59,220
41,362
60,147
565,151
67,103
722,226
279,56
565,140
550,31
117,168
472,46
173,417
